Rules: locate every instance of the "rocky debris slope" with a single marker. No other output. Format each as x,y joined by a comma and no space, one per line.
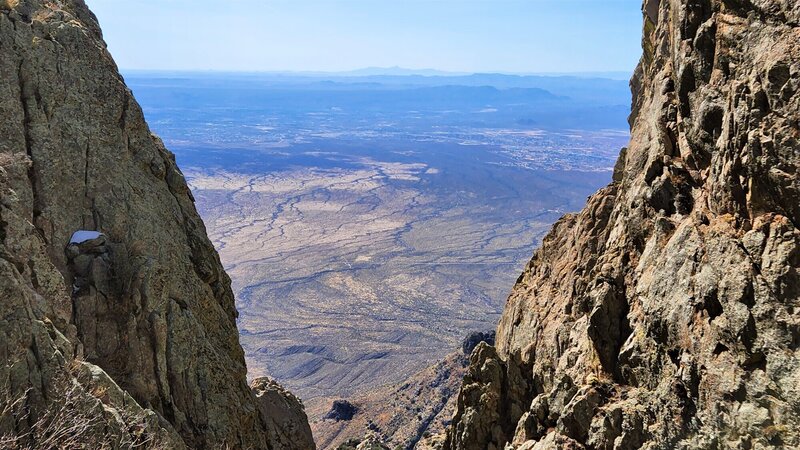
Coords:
133,329
666,313
398,416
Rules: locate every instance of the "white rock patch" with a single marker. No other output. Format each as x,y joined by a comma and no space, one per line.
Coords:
81,236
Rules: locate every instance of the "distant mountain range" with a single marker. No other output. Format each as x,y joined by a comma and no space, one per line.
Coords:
623,75
581,88
394,71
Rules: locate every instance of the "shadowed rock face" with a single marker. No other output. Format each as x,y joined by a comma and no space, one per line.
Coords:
473,339
665,314
146,305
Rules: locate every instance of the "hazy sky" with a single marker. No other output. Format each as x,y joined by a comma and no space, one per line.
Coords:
334,35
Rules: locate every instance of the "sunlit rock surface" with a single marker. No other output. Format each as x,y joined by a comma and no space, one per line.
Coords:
665,314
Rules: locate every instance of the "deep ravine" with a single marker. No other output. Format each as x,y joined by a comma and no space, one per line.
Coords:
663,315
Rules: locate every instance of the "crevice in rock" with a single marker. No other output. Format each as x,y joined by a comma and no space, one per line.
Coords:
695,13
124,114
3,228
711,305
756,360
711,121
705,44
609,327
720,348
686,85
749,333
26,128
86,196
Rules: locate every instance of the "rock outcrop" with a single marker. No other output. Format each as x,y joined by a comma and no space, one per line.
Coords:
665,314
341,410
133,329
370,442
284,415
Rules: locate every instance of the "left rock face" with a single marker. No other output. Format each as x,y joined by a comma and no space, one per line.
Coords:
149,307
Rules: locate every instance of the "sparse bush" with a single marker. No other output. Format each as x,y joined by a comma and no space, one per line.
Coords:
73,419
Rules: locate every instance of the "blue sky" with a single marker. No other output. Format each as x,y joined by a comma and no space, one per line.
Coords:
518,36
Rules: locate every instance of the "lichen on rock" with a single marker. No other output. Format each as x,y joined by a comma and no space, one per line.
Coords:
147,303
665,314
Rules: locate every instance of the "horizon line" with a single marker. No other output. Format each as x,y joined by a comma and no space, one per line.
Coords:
365,72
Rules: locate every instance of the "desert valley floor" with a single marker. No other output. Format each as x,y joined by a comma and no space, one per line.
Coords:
368,230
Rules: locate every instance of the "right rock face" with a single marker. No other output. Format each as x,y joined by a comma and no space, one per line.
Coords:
665,314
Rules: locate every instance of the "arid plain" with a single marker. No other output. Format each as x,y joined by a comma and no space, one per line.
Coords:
378,269
369,227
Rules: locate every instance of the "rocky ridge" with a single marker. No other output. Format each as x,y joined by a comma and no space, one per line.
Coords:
133,330
665,314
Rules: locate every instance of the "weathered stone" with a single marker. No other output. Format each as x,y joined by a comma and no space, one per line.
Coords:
664,315
493,392
577,416
286,421
147,302
411,414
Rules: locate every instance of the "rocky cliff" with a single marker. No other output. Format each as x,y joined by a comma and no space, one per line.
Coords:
666,314
129,324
